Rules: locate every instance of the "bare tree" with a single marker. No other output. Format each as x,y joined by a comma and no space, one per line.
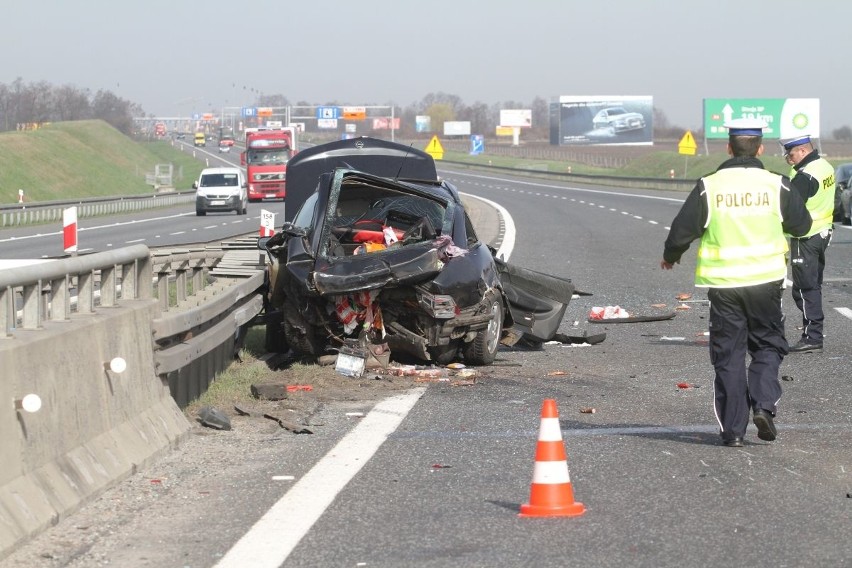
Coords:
70,103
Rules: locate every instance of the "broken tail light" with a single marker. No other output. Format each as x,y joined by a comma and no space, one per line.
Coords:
439,306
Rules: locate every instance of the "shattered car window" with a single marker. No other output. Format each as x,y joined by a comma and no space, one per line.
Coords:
369,218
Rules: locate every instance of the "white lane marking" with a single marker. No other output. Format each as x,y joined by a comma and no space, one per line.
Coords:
508,244
108,226
845,312
272,538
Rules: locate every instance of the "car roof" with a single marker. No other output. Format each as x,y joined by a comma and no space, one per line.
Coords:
221,170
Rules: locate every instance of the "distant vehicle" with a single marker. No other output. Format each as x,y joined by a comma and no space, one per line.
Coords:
180,135
160,130
220,189
226,140
200,139
268,150
618,119
224,148
843,178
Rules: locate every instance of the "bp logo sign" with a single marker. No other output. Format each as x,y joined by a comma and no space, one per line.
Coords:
800,120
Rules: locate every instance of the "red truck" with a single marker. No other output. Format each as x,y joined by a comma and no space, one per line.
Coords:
267,152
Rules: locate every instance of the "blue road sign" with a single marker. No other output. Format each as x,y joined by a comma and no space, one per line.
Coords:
248,112
477,144
328,112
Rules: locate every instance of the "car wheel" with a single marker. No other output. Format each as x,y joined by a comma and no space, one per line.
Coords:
444,354
302,336
275,340
200,212
483,349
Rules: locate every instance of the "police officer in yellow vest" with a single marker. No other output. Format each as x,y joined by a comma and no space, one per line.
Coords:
741,213
813,179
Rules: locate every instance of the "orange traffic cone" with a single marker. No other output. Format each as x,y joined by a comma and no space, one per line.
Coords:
551,494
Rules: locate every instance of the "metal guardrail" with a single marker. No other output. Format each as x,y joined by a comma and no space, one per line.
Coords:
51,211
201,318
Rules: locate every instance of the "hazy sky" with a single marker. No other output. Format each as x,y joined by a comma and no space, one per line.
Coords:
175,57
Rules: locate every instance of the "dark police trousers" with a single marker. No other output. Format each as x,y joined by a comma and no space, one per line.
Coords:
746,321
807,259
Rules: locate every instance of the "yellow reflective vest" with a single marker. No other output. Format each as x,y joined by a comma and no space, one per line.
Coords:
821,204
743,243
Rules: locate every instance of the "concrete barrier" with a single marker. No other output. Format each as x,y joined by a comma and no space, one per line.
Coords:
100,422
95,426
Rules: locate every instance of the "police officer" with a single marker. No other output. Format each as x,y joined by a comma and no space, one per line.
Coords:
813,179
740,213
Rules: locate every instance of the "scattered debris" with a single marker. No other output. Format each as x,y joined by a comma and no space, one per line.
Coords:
269,391
683,296
635,319
456,366
287,425
355,414
294,388
440,466
580,339
787,378
682,307
665,338
283,477
464,383
556,373
609,312
687,386
587,410
658,305
240,411
213,418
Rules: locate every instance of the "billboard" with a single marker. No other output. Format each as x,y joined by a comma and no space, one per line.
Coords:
457,128
521,118
605,120
785,118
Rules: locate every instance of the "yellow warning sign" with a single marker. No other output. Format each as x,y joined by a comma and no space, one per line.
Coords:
435,149
687,144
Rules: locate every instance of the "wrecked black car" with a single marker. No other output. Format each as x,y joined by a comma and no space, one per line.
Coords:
382,252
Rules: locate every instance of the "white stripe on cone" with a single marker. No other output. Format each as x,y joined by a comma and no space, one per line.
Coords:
550,430
551,473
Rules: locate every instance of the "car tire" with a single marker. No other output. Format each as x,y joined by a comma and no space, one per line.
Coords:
200,212
308,341
275,340
483,349
444,354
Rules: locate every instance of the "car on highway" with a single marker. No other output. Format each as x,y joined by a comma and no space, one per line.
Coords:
618,119
221,189
200,139
382,256
843,178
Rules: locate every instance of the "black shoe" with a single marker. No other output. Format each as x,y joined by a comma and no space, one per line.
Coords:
735,442
765,426
803,346
847,221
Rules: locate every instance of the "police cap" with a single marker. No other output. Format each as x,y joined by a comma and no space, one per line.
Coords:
791,143
745,127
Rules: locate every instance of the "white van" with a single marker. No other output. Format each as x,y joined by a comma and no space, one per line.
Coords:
221,189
